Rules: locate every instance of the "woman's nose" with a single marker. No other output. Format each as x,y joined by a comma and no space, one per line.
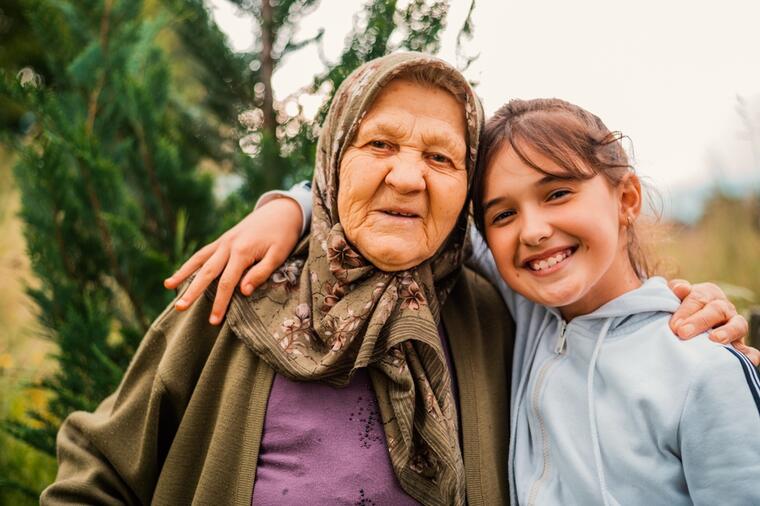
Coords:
406,173
535,229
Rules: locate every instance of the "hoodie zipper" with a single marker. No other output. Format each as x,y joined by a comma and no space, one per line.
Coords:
536,394
561,338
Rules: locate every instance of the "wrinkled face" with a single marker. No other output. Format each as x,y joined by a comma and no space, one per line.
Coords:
558,242
403,180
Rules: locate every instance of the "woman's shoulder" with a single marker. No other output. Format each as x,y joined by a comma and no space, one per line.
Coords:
191,323
481,288
474,299
185,340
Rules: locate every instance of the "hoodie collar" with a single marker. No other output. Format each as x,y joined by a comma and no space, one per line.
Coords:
628,311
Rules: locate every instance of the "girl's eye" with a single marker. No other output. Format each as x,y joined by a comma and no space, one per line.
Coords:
557,194
502,216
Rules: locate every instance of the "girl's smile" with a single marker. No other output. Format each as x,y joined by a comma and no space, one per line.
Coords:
557,239
549,261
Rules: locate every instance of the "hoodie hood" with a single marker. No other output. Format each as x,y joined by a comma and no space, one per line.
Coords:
628,312
651,297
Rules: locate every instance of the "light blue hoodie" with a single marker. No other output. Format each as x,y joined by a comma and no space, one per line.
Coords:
612,408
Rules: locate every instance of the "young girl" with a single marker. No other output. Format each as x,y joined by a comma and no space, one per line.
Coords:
608,406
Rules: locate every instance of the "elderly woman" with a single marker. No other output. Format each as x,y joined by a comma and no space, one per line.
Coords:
375,302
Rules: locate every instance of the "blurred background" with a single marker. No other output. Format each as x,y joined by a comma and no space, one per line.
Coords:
133,132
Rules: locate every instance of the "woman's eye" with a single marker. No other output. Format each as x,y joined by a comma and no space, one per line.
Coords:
439,158
380,145
557,194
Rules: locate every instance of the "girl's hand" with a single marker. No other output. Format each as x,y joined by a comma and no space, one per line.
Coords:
265,238
705,308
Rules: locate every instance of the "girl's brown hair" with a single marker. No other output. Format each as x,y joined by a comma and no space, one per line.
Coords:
571,137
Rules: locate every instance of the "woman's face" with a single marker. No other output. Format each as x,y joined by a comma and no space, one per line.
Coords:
403,179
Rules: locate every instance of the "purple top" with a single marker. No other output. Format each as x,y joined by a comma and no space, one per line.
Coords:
325,445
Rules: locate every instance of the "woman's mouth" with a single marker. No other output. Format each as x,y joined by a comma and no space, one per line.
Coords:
400,214
550,263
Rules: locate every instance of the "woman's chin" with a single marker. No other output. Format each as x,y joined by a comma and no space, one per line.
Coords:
391,259
394,253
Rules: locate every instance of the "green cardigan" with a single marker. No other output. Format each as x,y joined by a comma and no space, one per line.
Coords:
184,426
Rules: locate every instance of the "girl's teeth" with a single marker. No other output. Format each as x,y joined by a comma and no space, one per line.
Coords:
549,262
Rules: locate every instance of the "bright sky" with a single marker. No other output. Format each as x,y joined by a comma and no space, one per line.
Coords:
665,72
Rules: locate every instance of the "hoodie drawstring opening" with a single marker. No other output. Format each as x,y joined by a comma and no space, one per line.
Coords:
592,411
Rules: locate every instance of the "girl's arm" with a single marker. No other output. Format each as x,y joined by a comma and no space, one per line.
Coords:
481,261
718,432
261,242
266,237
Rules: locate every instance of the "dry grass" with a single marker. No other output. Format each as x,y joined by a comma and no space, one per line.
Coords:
724,247
23,353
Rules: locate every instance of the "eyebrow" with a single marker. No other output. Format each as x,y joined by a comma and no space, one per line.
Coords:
553,178
493,202
446,141
453,144
383,127
546,179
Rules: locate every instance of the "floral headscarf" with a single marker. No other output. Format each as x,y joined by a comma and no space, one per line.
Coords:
328,312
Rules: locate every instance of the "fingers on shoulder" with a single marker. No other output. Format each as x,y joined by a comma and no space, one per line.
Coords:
191,265
706,292
714,314
260,272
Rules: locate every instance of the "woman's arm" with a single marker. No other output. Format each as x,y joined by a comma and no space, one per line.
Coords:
113,455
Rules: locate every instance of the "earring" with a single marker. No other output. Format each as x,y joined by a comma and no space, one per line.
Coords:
629,220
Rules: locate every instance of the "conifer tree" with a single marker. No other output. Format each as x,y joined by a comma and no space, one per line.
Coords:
109,197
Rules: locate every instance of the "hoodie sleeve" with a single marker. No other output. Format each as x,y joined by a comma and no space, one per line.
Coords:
481,261
720,431
300,193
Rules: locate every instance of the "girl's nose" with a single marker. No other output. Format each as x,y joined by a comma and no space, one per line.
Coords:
406,173
534,229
